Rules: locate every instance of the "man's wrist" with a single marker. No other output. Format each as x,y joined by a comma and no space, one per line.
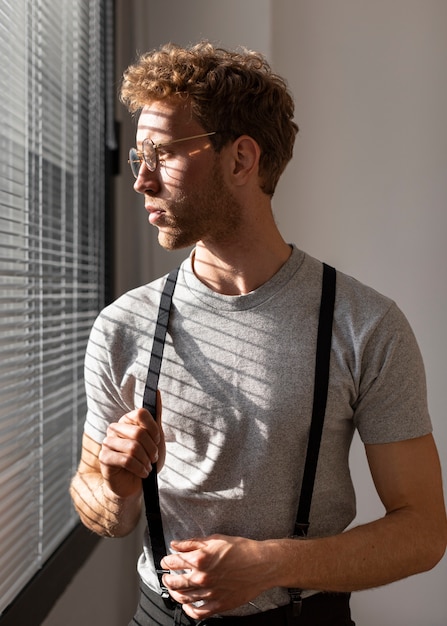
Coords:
121,512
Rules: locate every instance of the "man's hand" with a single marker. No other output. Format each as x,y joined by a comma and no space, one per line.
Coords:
222,572
107,490
131,447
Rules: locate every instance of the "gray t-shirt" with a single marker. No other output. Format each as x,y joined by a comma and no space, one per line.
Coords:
237,389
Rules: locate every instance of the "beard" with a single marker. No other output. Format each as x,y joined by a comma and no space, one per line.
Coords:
211,213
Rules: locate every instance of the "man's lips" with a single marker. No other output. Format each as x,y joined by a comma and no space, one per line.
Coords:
154,214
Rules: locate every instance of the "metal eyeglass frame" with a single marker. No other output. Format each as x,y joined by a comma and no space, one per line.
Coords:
150,155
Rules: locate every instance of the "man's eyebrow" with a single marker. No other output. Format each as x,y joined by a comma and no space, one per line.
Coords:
144,136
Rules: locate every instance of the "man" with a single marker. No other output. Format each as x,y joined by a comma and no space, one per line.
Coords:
215,133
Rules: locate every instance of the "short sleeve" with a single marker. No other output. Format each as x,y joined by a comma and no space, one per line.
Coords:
105,401
392,400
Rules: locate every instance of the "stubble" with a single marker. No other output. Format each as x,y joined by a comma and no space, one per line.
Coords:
210,213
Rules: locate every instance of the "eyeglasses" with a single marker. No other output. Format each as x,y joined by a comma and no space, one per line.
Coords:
150,154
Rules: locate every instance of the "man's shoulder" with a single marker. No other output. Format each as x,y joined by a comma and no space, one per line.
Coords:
137,302
351,293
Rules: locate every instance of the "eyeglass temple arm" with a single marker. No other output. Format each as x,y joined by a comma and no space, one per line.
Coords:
160,145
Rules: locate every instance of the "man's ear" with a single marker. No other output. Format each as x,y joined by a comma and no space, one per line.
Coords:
245,159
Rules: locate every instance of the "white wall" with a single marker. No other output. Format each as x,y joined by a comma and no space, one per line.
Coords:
367,190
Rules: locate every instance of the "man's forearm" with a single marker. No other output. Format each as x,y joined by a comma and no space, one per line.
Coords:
101,510
367,556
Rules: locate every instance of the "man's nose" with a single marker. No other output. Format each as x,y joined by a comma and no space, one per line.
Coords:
146,180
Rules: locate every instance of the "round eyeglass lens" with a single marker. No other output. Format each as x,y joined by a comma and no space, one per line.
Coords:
135,162
150,155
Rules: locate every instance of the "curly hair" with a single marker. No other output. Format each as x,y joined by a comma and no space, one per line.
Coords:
233,92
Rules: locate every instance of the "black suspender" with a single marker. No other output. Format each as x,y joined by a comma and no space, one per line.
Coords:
150,484
321,386
322,361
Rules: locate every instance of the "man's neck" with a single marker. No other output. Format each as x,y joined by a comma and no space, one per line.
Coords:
238,269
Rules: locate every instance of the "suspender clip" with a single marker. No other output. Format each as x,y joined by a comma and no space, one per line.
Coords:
164,590
296,601
300,529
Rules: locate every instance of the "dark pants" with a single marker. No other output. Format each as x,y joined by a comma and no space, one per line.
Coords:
322,609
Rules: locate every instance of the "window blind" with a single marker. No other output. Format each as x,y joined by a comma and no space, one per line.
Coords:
51,265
